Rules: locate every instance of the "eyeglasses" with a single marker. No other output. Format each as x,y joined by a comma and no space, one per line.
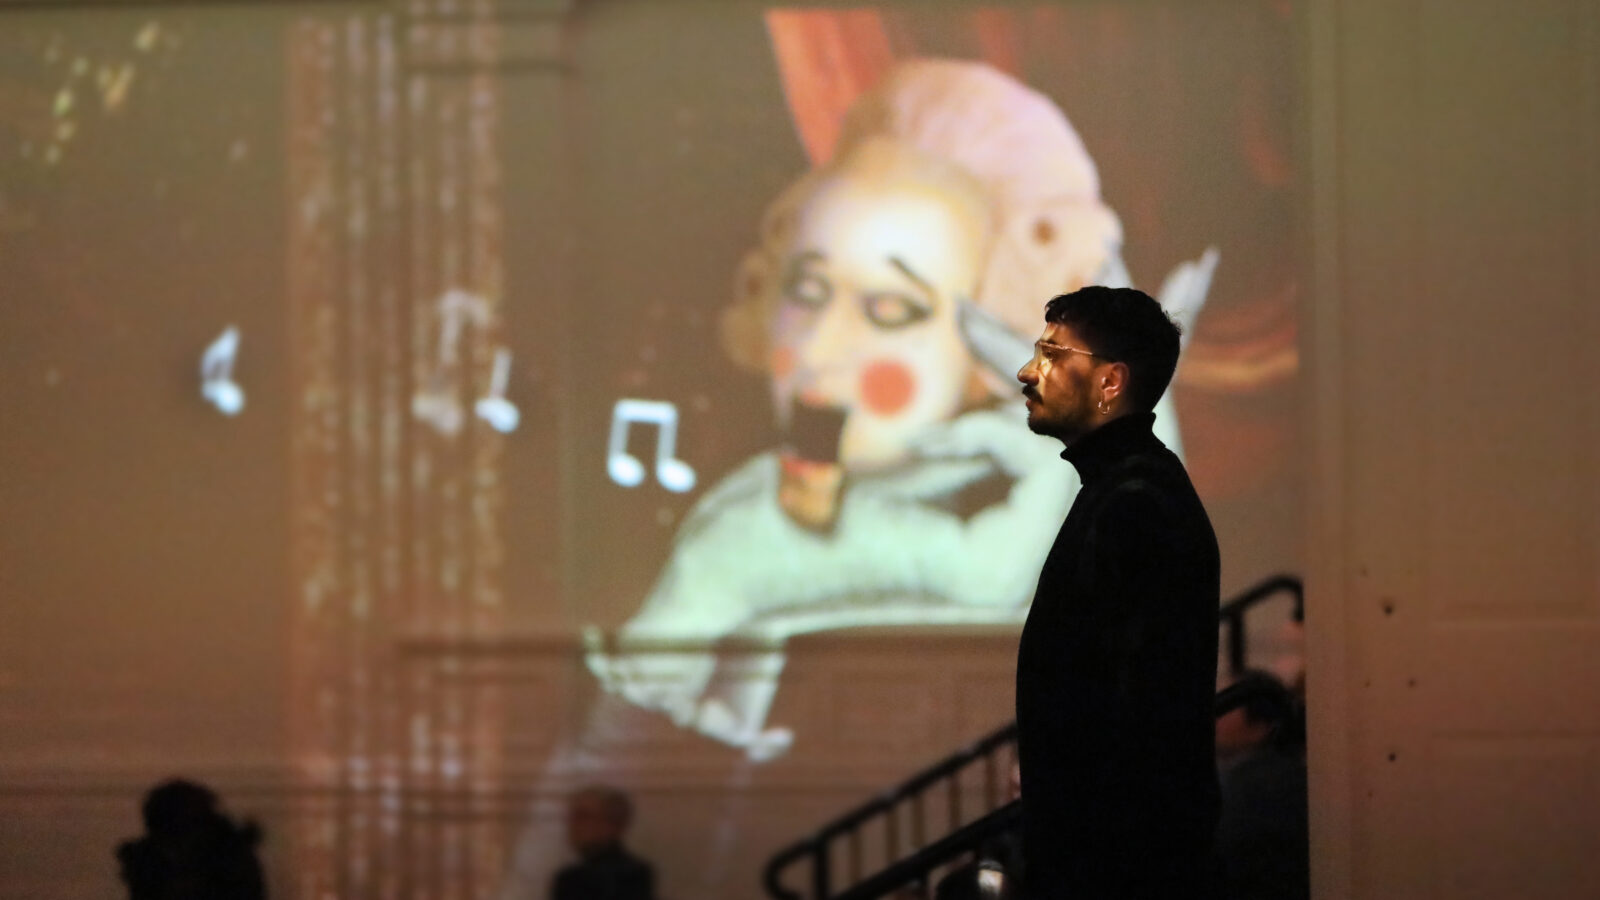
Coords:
1040,346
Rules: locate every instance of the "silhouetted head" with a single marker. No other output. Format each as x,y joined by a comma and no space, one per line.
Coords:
179,807
191,848
597,818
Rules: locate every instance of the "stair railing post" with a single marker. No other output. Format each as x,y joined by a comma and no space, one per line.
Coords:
991,781
954,787
919,834
821,888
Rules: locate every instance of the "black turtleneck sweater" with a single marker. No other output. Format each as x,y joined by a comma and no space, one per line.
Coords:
1116,674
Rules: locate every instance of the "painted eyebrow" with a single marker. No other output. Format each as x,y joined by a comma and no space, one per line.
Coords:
906,271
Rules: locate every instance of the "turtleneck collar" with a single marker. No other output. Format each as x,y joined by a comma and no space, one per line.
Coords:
1096,452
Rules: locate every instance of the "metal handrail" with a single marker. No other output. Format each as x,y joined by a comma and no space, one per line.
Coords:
1230,616
971,837
968,838
885,803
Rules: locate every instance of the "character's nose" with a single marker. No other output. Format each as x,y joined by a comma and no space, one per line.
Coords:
1028,374
829,340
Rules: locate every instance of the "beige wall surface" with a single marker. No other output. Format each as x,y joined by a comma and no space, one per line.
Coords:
1454,586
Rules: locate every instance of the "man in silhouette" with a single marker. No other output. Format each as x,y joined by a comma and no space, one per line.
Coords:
597,819
1116,670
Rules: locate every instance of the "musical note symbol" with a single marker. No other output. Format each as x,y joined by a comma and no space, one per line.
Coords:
674,474
439,408
494,408
438,402
216,373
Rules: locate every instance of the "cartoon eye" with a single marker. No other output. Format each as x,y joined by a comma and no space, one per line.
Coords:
890,309
804,287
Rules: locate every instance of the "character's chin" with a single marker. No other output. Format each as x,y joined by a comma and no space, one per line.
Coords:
871,461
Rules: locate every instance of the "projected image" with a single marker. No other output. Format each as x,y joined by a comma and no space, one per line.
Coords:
464,402
893,292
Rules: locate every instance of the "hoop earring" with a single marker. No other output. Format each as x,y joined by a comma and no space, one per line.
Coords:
1104,409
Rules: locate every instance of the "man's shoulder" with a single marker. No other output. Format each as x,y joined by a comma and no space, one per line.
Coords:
623,864
1150,476
1151,493
619,873
1155,462
633,863
1144,483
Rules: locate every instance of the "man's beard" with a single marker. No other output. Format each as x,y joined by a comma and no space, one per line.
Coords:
1041,424
1037,423
1065,428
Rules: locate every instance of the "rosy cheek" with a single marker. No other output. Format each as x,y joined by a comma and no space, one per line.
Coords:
782,362
887,387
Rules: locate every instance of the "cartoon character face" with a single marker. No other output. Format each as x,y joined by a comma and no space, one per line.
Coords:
872,265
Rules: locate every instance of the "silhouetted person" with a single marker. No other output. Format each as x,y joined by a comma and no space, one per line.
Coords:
190,850
1117,666
1262,837
597,819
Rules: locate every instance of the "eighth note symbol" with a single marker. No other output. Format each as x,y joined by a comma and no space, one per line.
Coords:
674,474
438,401
216,373
494,408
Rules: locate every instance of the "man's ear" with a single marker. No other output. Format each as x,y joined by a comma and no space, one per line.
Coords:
1112,381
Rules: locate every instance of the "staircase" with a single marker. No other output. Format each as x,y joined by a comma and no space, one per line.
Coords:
834,854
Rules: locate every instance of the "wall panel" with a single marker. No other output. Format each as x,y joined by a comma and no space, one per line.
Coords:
1456,240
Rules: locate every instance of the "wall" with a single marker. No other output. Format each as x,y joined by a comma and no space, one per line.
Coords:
1455,606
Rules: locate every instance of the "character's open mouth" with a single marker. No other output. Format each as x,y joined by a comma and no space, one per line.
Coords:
812,477
814,433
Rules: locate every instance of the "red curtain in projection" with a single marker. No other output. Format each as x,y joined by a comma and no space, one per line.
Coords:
395,274
826,58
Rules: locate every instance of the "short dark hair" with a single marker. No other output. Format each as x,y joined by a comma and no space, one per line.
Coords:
1123,325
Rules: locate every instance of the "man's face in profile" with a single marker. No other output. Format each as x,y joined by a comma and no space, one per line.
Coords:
1058,384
